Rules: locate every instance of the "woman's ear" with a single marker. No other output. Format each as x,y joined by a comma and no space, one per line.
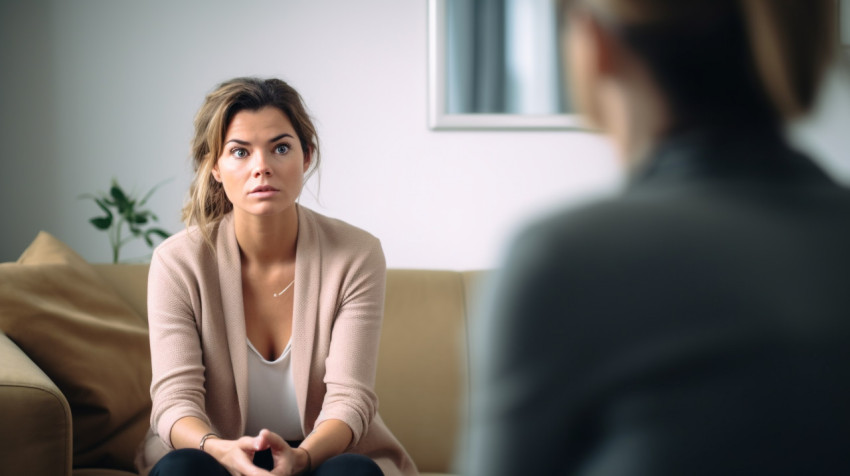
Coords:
596,63
586,61
308,158
216,174
605,49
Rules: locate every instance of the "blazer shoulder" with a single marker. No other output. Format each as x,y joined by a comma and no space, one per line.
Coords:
588,222
615,228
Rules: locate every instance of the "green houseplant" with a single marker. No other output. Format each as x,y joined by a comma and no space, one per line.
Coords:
123,210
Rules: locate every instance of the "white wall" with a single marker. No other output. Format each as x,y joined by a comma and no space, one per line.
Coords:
93,89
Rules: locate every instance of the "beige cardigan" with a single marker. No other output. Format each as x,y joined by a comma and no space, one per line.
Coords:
198,340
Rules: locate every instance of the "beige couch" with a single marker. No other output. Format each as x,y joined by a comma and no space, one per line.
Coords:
421,382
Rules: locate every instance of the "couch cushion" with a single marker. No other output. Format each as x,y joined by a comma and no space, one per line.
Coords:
95,348
421,381
130,281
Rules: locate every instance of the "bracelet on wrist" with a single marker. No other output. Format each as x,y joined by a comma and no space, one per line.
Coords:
205,438
309,461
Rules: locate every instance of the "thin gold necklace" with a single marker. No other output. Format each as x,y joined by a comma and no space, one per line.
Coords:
284,289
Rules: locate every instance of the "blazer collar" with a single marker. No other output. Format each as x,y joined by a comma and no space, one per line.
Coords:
718,153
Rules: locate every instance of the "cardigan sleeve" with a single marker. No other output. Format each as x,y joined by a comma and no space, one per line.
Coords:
177,387
351,364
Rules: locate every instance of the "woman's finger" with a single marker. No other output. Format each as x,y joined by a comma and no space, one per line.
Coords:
246,443
240,459
244,465
268,439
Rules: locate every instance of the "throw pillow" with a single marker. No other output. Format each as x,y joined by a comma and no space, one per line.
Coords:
90,342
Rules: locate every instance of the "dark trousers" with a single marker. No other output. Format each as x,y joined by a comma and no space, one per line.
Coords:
192,462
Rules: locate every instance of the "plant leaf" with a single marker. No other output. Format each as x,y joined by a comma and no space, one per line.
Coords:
129,214
120,198
152,190
102,223
102,204
120,207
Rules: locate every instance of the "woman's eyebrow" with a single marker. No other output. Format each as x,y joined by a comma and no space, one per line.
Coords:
273,139
277,138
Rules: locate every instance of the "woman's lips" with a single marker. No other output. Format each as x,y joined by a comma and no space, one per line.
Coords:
264,190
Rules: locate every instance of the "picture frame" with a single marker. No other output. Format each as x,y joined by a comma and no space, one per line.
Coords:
439,117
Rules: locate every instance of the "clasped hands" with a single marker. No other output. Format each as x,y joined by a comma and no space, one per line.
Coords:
238,455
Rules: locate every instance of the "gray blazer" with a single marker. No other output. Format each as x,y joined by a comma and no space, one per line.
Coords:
698,323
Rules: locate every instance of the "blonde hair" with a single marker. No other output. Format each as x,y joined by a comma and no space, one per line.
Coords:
207,202
783,47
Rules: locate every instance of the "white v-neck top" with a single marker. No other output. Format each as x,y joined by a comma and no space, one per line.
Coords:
271,396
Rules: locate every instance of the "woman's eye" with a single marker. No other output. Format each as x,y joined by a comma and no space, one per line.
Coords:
281,149
239,153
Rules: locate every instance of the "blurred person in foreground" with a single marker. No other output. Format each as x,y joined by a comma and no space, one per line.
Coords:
699,322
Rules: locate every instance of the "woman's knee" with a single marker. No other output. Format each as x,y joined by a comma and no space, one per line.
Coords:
349,464
188,462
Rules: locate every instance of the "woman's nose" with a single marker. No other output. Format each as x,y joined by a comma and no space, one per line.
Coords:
261,165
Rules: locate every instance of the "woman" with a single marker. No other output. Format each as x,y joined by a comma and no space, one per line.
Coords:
264,315
697,323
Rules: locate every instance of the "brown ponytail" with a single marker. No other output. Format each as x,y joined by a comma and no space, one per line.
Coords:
793,43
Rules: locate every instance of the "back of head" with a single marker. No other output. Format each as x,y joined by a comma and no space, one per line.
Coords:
719,58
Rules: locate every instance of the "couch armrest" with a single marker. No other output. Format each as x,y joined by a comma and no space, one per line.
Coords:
35,434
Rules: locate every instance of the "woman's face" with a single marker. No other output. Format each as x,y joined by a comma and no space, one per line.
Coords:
262,164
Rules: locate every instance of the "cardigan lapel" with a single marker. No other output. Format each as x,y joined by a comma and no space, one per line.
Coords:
305,312
230,277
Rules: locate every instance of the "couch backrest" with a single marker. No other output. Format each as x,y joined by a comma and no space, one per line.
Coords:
422,380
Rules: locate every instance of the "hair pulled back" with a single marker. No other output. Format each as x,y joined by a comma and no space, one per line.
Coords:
713,56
